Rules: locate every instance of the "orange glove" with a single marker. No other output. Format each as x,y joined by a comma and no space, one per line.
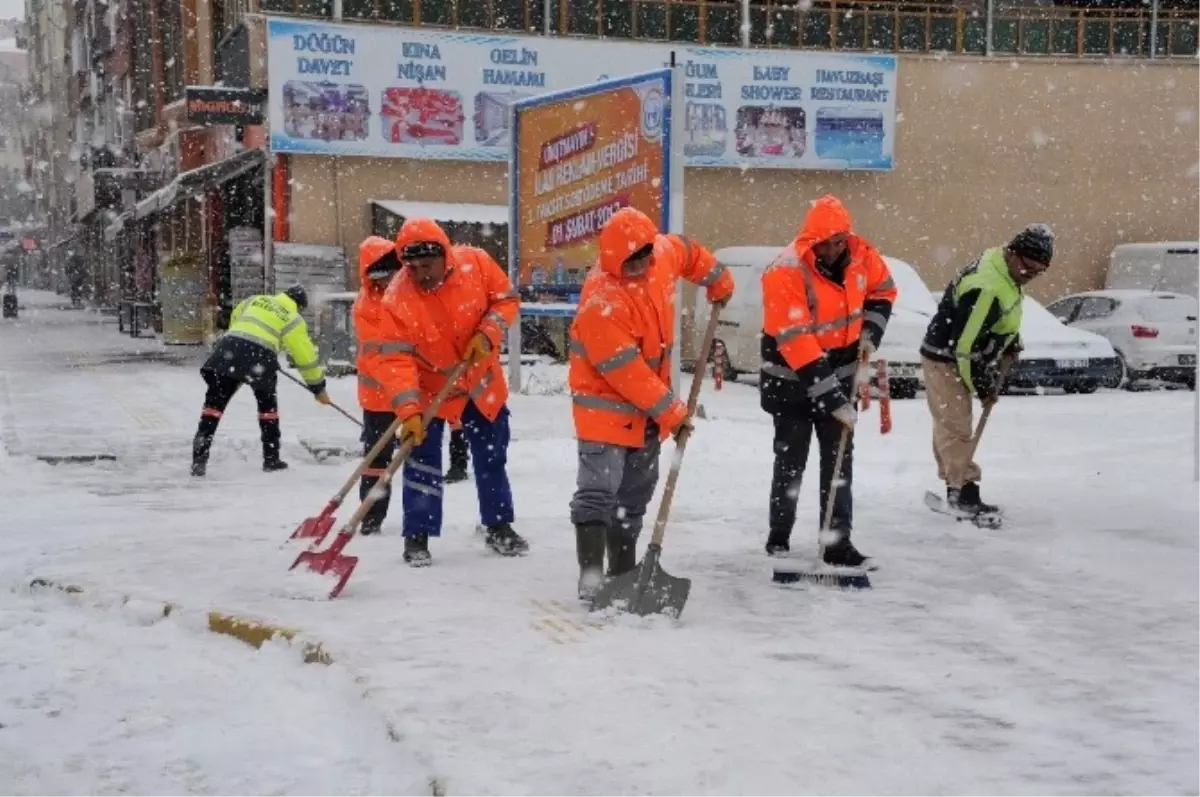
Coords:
412,428
478,349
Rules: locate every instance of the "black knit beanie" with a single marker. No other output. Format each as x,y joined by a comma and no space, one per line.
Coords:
1035,242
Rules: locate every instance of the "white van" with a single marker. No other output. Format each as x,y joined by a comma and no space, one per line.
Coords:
740,327
1172,266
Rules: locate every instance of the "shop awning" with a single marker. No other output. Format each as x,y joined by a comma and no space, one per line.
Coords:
445,211
186,185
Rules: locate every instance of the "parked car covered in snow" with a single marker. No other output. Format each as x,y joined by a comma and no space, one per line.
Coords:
1153,333
1056,355
740,327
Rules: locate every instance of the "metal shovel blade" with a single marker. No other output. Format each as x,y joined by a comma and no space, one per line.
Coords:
647,589
316,527
329,562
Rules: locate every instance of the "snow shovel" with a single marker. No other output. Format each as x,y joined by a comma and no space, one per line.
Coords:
648,589
353,420
845,578
332,560
317,527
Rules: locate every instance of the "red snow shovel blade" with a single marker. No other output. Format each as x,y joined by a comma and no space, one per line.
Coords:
329,562
316,527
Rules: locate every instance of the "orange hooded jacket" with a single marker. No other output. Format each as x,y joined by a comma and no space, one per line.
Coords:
368,308
624,332
812,324
429,332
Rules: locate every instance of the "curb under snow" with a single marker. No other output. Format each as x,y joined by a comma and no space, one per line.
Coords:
252,632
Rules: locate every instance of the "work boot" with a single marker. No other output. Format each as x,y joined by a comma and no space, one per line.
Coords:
270,465
842,553
777,544
967,499
199,469
457,473
589,550
503,540
622,552
416,550
370,527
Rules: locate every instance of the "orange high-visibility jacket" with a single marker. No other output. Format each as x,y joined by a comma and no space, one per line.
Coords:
429,332
368,309
812,324
624,331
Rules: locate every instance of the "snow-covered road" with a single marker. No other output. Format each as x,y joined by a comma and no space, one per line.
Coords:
1058,655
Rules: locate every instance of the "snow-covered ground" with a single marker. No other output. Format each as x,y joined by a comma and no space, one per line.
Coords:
1058,655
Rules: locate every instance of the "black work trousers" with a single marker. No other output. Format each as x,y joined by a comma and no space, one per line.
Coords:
220,390
459,451
793,438
375,425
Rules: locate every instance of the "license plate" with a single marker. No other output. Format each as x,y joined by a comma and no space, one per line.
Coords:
1071,363
1187,359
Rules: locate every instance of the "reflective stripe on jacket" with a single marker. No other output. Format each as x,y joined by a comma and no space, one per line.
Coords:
424,335
978,319
812,324
368,308
275,322
624,332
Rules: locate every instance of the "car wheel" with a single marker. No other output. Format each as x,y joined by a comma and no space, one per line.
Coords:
1084,387
903,388
1121,378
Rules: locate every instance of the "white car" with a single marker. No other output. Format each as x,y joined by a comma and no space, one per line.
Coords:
740,327
1153,333
1055,355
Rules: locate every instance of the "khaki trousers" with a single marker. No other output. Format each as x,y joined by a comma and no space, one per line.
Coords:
950,406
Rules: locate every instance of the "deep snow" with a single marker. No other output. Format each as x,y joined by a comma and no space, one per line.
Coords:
1058,655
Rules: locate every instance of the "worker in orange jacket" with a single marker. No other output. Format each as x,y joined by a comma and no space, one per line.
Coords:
377,264
621,347
448,304
826,297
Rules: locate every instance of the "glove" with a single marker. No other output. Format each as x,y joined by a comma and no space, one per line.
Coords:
413,429
478,349
323,398
846,415
677,434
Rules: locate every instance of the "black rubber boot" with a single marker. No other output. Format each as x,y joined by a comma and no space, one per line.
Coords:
589,550
843,554
199,469
622,552
969,500
777,544
505,541
457,473
370,527
416,550
270,465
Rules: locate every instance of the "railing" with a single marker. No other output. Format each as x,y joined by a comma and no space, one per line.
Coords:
823,24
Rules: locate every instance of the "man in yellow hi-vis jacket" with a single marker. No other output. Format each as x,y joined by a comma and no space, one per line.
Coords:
248,353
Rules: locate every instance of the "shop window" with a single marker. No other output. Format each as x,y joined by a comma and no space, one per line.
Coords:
1126,38
975,35
1037,37
816,28
385,10
617,18
652,20
509,14
850,29
1065,37
785,26
1184,40
581,17
881,31
1095,37
912,33
438,12
722,24
684,22
943,34
472,14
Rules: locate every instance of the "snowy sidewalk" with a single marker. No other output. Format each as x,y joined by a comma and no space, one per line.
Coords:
1055,656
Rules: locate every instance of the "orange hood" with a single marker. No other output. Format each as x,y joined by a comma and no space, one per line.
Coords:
626,232
370,252
827,217
418,230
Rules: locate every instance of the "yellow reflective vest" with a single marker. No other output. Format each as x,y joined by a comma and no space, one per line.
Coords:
275,322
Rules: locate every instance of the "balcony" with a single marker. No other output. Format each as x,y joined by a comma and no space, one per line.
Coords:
843,25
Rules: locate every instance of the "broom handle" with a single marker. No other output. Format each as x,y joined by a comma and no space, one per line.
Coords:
664,508
336,407
835,482
407,447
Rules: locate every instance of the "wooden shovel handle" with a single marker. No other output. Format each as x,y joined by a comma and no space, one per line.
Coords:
664,508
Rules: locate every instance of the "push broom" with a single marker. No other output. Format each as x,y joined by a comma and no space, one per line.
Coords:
332,560
825,575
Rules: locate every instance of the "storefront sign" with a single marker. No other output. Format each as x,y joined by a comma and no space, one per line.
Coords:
209,105
412,93
578,157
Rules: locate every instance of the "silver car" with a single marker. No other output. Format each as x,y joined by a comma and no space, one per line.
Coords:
1153,332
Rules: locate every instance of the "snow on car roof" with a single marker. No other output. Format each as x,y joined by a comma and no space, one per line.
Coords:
446,211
